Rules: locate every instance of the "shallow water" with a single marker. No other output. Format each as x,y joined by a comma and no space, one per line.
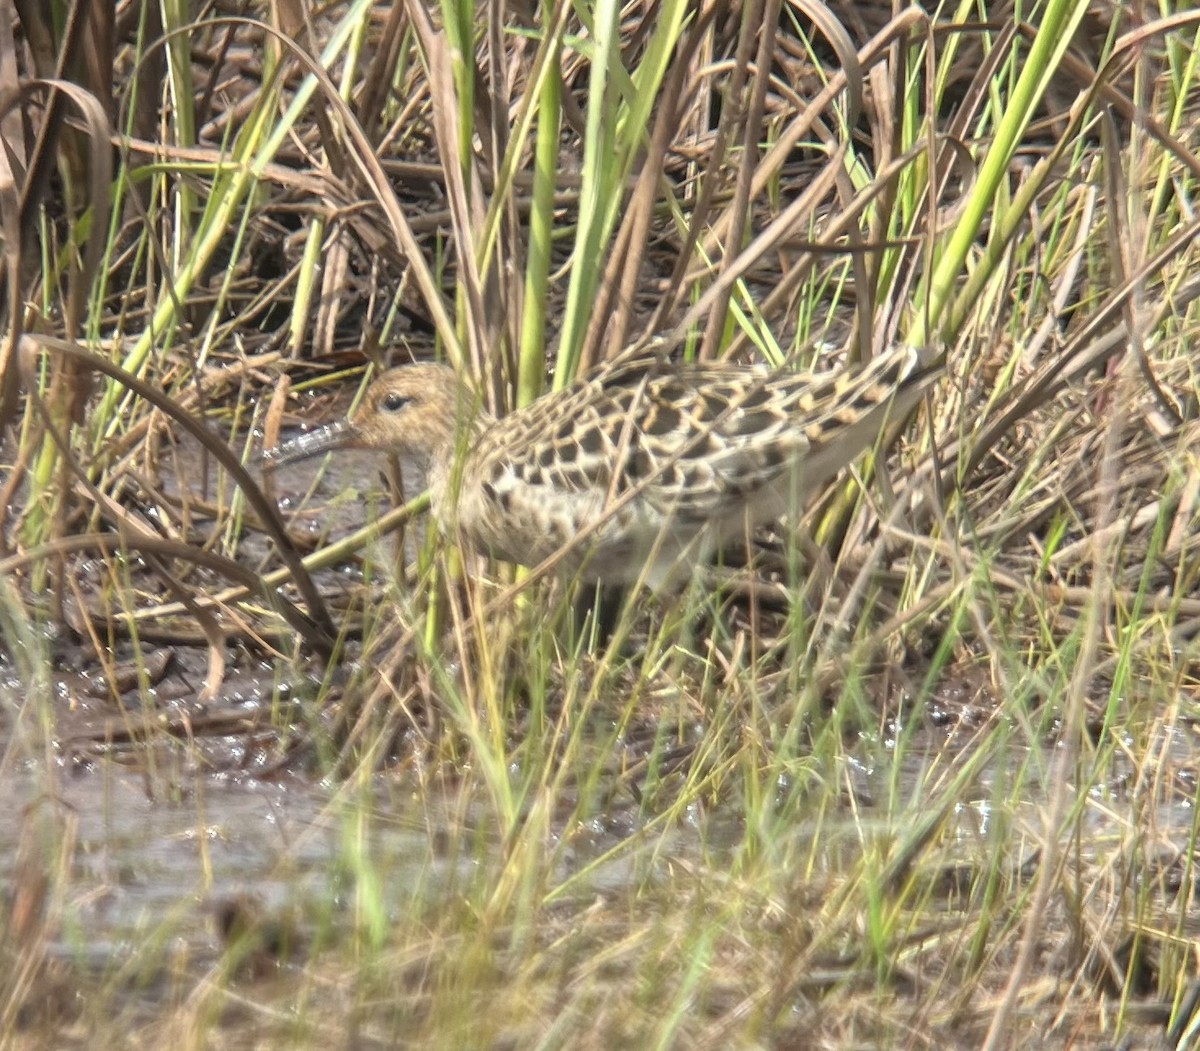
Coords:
157,845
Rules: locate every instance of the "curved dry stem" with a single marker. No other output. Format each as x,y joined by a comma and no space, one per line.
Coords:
321,632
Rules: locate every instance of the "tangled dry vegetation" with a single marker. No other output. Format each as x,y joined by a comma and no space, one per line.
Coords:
211,226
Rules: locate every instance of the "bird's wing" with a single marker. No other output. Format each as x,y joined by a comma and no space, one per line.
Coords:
696,438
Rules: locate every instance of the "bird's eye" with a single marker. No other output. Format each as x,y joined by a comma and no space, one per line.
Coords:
394,402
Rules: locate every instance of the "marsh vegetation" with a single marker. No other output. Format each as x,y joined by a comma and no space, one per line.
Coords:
285,768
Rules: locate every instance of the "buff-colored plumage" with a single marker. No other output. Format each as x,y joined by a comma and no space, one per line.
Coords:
637,471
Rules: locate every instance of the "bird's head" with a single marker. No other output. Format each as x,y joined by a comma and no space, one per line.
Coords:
413,411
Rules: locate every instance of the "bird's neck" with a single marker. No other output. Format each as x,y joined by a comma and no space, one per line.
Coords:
450,459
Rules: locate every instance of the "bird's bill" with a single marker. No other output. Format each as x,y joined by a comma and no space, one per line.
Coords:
340,435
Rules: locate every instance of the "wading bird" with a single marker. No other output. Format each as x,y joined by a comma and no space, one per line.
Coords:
638,471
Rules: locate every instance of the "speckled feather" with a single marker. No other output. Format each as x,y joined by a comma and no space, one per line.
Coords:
655,463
